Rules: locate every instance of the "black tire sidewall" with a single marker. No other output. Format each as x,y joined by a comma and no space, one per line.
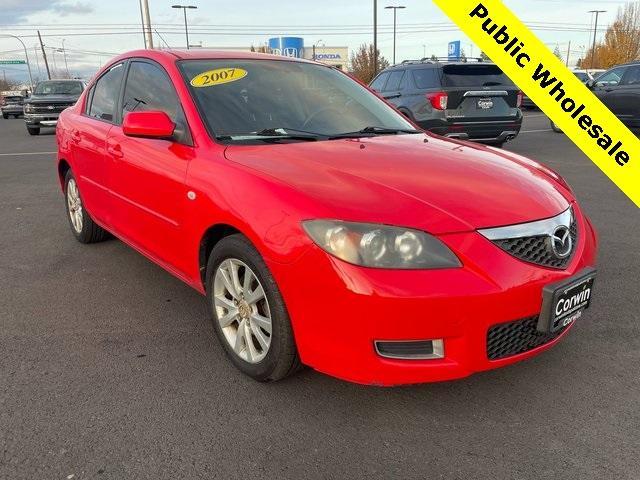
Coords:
277,362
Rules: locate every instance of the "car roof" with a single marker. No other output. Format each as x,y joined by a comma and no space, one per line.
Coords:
434,63
207,54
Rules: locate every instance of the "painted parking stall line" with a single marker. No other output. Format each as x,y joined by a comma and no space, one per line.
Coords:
19,154
553,88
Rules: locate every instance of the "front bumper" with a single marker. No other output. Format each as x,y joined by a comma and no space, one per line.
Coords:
40,119
11,110
340,310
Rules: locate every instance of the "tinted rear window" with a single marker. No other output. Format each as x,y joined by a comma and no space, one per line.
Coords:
394,81
474,76
426,77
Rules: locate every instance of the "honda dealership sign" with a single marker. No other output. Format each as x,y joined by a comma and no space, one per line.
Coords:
287,46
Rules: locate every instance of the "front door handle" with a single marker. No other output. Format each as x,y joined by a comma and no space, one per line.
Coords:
115,150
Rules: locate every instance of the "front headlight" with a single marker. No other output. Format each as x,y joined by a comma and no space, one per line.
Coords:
380,246
28,108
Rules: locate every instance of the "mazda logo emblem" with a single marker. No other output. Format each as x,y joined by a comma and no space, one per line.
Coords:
561,242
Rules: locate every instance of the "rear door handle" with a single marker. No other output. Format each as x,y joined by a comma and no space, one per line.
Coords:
115,150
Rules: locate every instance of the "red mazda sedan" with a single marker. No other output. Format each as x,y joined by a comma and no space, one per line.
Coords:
322,226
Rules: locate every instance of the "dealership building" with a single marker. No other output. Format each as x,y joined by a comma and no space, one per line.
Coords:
296,47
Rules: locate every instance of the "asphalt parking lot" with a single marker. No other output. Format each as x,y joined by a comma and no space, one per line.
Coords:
109,368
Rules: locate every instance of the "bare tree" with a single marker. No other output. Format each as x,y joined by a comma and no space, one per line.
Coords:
621,41
362,63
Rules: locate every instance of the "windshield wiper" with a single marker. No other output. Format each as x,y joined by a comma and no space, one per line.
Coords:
371,131
275,134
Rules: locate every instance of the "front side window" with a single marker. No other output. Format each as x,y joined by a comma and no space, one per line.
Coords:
105,94
612,77
632,77
149,88
393,84
240,99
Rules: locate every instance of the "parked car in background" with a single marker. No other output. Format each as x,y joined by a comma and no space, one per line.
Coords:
470,100
335,235
49,99
11,103
619,89
583,75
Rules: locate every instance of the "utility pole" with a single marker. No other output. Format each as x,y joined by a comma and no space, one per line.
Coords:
146,24
568,53
186,27
375,37
595,34
44,56
35,51
395,23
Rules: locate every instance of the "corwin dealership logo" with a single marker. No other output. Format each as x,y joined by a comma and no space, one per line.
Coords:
561,242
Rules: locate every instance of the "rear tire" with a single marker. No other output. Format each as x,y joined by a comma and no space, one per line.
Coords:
555,127
82,225
265,351
5,115
33,130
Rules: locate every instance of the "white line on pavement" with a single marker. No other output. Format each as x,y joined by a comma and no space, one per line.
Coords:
536,131
25,153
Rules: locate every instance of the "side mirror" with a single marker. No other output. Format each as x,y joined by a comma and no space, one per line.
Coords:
151,124
590,84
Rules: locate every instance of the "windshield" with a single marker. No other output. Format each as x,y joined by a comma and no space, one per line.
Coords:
245,100
58,88
474,76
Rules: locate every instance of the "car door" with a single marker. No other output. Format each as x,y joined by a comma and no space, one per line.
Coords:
88,132
629,96
146,175
607,89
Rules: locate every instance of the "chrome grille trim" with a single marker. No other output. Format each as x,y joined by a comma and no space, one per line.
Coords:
537,242
532,229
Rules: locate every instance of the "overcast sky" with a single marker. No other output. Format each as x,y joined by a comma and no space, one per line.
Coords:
422,27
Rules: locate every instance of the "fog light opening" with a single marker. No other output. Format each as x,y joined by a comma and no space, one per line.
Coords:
411,350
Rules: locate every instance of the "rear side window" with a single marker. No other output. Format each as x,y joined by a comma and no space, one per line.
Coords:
105,94
426,77
395,79
474,76
149,88
380,81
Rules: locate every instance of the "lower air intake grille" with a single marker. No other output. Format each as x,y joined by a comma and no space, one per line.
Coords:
507,339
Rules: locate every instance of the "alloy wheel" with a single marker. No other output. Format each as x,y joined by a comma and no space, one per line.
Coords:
74,204
242,310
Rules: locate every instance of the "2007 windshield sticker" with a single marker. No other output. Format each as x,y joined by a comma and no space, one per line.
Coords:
218,76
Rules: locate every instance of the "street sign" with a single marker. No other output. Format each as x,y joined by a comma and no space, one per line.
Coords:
12,62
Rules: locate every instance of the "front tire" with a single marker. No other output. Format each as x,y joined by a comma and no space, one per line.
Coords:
82,225
248,312
33,130
555,127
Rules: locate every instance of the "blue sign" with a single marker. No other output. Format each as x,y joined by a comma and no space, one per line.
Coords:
454,50
287,46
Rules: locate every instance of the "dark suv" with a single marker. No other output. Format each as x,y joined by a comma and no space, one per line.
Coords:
470,100
619,89
49,99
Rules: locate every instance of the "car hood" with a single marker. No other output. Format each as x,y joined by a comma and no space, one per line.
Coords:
422,181
52,98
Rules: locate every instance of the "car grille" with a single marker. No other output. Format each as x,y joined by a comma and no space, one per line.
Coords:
57,107
536,249
507,339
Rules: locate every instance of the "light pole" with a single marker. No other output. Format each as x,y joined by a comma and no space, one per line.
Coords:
375,37
315,45
186,28
595,34
25,54
395,17
64,52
